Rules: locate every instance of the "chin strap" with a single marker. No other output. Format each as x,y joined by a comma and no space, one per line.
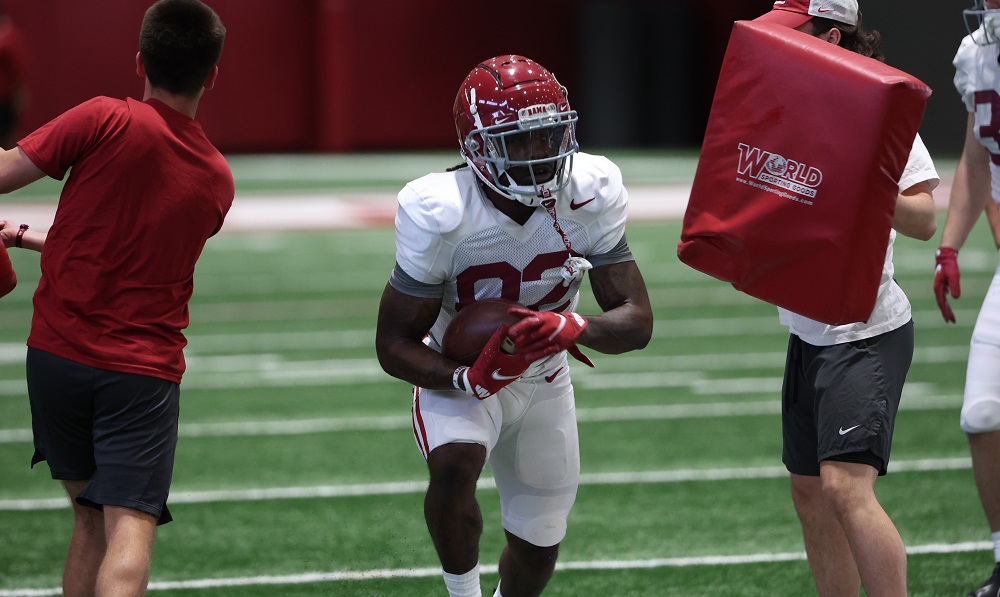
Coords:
575,267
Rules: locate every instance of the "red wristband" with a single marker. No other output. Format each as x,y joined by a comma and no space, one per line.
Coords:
20,233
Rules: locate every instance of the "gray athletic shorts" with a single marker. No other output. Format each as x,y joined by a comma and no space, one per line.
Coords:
839,402
117,430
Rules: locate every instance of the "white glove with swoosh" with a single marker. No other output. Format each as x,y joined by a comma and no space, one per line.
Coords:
493,370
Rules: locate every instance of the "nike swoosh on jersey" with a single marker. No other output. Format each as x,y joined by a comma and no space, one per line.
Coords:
574,205
497,376
550,378
848,430
822,10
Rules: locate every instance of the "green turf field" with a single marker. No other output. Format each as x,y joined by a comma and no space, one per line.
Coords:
297,473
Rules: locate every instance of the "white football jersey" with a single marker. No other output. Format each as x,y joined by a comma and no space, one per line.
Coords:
977,79
892,308
448,233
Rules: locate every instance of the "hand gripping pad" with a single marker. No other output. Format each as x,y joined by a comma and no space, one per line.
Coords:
796,185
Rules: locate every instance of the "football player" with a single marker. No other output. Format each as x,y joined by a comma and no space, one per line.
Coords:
977,178
843,383
524,218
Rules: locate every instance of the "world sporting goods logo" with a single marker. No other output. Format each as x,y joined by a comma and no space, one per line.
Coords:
775,170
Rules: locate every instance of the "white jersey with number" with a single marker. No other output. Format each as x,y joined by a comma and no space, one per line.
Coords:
892,308
448,234
977,79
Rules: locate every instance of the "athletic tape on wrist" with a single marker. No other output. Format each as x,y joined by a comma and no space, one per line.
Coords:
460,379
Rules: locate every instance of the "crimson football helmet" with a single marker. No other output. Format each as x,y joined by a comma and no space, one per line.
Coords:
516,129
982,23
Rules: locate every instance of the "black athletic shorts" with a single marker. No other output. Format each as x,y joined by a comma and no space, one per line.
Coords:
119,430
839,402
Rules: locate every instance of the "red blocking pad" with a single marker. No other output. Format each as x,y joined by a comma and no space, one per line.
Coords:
796,185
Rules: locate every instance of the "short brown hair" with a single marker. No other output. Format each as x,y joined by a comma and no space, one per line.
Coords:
180,42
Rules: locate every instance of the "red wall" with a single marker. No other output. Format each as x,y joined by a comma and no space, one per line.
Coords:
265,98
390,69
302,75
295,74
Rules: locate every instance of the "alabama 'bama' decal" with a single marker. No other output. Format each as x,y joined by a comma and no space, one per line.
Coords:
785,177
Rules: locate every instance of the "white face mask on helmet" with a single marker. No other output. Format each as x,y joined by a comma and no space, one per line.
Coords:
982,23
516,129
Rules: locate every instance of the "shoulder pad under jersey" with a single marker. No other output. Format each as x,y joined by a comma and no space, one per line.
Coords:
434,202
597,176
975,69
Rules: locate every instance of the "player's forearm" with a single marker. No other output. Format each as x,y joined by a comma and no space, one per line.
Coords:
627,321
958,225
969,195
624,328
970,191
416,363
993,216
403,321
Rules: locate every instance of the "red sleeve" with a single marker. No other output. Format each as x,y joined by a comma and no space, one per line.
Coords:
58,145
8,280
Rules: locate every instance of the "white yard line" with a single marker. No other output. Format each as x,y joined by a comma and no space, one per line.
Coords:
491,570
408,487
683,371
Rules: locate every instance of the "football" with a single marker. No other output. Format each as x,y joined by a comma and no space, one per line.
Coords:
472,327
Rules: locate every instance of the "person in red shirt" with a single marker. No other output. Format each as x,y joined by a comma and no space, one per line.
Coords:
146,189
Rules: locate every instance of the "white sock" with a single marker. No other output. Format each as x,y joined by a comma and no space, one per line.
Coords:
996,546
497,592
464,585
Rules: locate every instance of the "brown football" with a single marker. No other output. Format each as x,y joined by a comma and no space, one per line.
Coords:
473,326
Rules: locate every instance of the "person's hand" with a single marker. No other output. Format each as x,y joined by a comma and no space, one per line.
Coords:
8,232
946,279
493,370
543,333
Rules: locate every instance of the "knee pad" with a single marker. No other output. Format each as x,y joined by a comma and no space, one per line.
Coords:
538,473
981,414
541,520
981,408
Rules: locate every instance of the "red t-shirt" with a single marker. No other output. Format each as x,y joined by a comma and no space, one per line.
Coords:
146,191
